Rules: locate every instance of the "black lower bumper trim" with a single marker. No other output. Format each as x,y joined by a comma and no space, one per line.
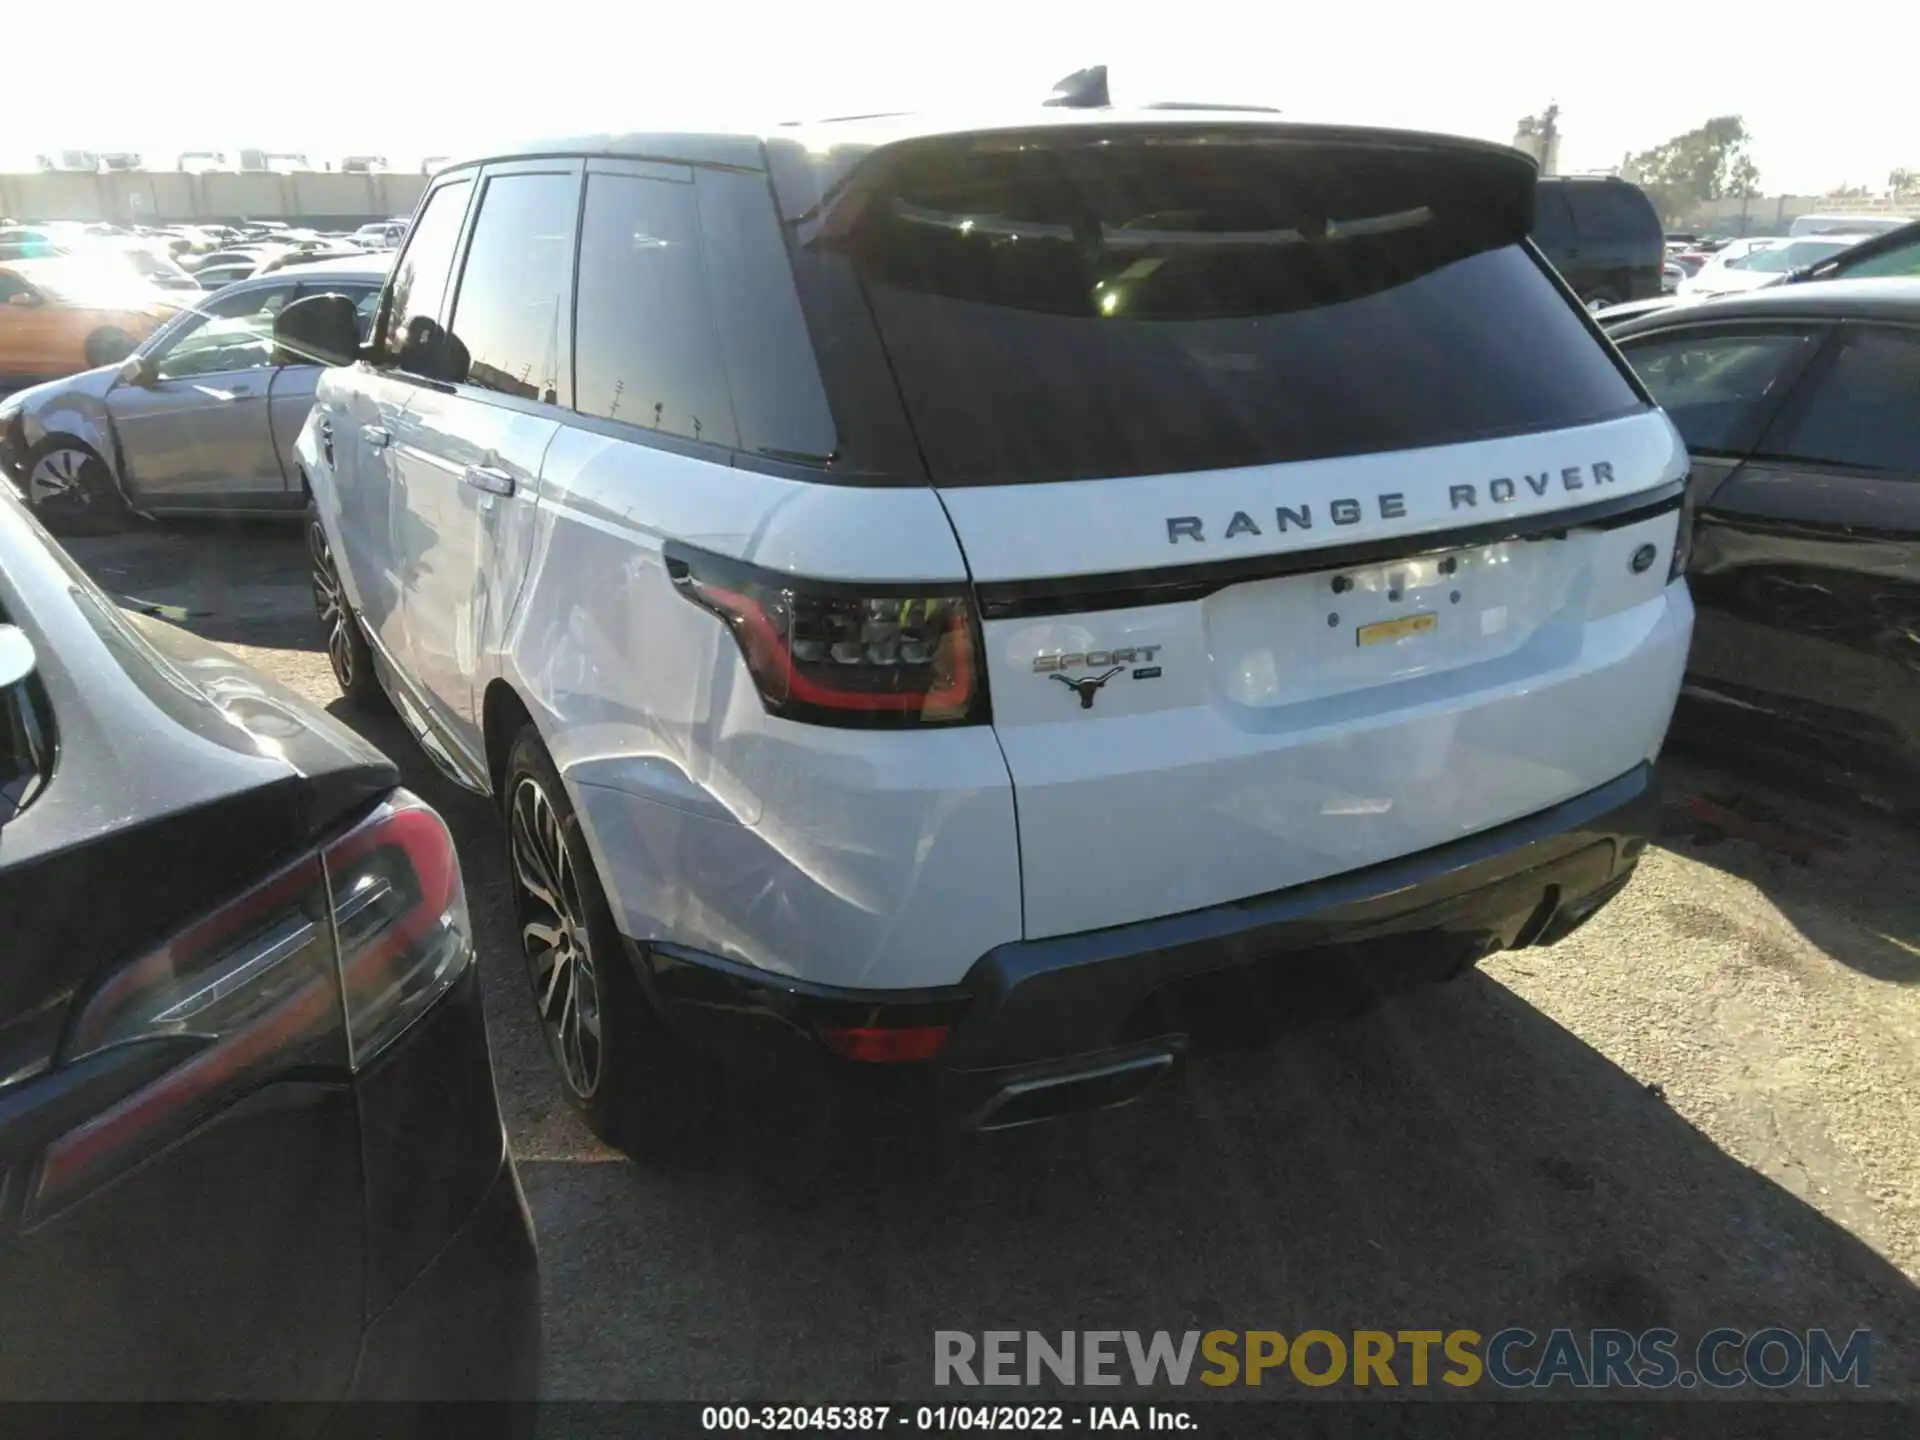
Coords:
1041,999
1038,1024
468,1327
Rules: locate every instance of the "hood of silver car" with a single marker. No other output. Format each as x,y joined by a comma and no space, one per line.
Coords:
91,383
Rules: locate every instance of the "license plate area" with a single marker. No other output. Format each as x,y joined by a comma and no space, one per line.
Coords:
1381,632
1306,638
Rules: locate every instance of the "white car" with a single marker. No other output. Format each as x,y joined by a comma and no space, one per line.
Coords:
1763,265
965,599
380,235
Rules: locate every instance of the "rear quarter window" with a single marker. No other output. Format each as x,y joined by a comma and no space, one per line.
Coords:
645,349
1617,212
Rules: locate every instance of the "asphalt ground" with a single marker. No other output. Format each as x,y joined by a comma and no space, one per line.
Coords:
1698,1111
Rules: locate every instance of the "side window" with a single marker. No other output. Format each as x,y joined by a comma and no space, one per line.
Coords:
1901,260
644,345
1717,388
509,314
237,334
268,302
1552,220
774,380
420,279
1617,213
1864,410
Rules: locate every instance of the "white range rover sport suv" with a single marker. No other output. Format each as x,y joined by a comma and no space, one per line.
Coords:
969,597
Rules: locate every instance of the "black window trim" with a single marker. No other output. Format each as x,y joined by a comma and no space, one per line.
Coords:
1817,331
1806,389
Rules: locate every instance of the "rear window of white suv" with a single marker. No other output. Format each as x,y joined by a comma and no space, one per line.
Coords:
1136,306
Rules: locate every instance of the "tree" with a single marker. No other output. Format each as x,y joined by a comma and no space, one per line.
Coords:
1704,164
1903,182
1847,192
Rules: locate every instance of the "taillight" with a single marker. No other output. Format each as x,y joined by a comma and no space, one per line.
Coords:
1682,535
833,653
316,968
400,918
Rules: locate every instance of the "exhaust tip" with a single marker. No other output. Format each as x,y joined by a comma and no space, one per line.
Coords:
1047,1097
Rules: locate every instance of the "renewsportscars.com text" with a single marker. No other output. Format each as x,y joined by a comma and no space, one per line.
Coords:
1514,1358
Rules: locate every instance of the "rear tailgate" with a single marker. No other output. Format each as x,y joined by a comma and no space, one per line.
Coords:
1301,503
1308,708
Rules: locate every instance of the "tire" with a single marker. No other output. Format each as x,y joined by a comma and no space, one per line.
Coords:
627,1075
347,649
109,346
70,488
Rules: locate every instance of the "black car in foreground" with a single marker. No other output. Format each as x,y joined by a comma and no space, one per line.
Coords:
249,1143
1801,408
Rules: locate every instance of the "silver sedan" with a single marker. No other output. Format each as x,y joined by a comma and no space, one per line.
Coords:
198,420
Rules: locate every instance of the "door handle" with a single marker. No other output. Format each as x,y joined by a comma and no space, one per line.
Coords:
323,432
487,478
376,435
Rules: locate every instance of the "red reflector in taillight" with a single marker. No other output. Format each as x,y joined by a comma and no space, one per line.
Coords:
833,653
885,1044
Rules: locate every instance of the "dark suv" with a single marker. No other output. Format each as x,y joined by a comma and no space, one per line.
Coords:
1602,234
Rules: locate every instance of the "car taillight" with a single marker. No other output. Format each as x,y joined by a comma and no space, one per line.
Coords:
1682,535
400,919
315,969
833,653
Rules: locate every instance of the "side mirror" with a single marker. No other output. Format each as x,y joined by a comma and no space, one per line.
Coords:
428,349
16,656
139,370
23,300
319,330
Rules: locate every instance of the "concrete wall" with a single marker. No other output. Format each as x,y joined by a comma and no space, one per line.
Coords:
326,199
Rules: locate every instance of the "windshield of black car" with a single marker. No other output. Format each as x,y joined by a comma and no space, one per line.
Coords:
1150,306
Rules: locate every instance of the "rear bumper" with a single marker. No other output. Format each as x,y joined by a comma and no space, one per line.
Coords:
1086,1020
468,1327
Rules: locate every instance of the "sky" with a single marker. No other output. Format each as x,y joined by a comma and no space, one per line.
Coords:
397,79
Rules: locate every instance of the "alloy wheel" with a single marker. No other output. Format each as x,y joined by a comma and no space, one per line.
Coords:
330,603
555,936
59,479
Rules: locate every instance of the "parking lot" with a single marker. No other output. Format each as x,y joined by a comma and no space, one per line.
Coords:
1696,1112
